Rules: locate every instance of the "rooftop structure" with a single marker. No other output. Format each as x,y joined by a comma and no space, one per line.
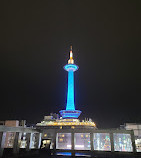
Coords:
67,123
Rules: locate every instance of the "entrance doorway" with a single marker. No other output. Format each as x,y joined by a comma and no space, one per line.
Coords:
46,143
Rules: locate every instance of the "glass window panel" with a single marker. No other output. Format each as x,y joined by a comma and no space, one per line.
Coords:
102,141
138,145
122,142
10,136
82,141
63,141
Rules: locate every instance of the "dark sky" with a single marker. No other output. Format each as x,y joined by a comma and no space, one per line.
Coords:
35,37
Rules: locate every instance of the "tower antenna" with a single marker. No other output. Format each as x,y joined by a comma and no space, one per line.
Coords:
71,61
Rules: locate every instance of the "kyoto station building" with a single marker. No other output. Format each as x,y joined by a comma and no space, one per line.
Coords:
65,134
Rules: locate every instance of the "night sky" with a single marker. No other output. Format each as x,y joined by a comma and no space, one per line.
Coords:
35,38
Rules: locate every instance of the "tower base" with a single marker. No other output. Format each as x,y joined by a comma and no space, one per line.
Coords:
70,114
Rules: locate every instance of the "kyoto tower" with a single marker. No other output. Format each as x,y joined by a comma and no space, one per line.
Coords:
70,112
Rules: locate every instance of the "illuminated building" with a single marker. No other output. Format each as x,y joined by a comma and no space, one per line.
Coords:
67,133
70,111
10,135
70,116
136,127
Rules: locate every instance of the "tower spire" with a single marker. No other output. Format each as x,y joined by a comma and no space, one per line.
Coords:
71,61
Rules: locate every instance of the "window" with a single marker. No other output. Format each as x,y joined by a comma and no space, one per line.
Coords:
102,141
63,141
138,145
122,142
82,141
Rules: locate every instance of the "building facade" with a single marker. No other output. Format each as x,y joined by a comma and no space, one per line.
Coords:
137,133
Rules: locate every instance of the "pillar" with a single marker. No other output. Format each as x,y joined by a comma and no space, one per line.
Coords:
133,141
38,140
2,142
55,139
72,144
91,140
16,145
72,141
28,141
112,142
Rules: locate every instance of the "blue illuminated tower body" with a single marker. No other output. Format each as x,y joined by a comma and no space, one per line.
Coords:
70,111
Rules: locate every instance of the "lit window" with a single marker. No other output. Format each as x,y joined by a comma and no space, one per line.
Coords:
63,142
45,135
122,142
102,141
60,139
82,141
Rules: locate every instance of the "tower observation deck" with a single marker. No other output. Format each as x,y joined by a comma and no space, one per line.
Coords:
70,111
